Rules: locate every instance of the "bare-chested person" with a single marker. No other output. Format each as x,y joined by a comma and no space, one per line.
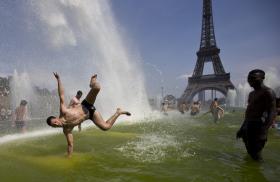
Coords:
75,101
71,117
259,115
216,110
164,108
183,107
195,108
20,116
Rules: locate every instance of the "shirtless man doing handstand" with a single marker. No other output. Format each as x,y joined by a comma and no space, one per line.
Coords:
71,117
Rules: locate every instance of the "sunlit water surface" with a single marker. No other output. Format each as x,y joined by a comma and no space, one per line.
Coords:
174,148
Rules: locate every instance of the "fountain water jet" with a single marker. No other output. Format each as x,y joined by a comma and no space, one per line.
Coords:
90,28
21,88
77,39
239,97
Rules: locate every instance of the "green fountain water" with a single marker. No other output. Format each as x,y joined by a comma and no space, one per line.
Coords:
177,148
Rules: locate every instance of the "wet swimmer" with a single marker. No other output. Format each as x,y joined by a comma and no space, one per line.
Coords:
259,115
216,110
72,116
75,101
195,108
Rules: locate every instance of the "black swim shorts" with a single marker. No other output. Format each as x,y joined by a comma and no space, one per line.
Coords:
90,107
20,124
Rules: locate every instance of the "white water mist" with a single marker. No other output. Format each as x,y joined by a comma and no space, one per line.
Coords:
21,88
89,29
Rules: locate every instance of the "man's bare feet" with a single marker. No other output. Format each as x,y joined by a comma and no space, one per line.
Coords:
93,80
120,112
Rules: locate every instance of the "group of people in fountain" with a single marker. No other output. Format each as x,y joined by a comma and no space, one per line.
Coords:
261,113
259,116
215,109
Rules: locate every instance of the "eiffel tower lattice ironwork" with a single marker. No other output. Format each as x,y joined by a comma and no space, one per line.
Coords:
208,52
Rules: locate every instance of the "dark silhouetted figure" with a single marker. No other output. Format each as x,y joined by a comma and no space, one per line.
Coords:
259,115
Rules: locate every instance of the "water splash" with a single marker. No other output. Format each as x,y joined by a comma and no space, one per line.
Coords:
231,97
21,88
38,133
83,37
149,148
272,78
75,38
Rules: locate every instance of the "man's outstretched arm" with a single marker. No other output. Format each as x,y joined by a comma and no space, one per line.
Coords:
60,90
69,137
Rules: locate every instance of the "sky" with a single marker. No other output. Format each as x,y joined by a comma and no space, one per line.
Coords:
166,35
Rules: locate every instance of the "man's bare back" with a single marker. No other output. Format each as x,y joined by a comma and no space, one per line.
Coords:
71,117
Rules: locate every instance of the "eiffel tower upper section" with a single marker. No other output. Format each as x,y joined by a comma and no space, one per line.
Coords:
208,51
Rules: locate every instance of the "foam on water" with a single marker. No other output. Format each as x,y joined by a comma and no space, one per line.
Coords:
157,144
149,148
156,147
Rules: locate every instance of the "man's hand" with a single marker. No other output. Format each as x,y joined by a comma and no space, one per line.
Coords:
238,134
56,75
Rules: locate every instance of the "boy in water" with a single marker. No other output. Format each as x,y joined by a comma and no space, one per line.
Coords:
195,108
260,112
75,101
71,117
20,116
216,110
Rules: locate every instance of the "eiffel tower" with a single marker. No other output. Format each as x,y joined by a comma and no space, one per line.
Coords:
208,52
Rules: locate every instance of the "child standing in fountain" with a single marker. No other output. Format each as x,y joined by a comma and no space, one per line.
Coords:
71,117
20,116
216,110
260,112
75,101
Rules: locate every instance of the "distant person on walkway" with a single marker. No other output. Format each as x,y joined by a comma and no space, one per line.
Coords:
75,101
216,110
20,116
260,112
71,117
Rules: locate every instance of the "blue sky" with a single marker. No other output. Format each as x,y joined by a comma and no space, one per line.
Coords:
166,33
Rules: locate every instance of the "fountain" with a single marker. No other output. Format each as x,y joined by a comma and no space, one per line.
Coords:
21,88
89,29
78,39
